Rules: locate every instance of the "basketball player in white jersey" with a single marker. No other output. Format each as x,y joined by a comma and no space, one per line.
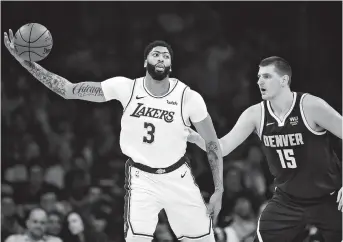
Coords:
36,228
157,112
293,127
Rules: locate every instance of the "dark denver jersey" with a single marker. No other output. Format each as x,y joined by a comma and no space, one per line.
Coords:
301,160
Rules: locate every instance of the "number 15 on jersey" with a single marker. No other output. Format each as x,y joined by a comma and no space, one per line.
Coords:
287,158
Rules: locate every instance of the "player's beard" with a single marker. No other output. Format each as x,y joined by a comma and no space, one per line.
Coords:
157,75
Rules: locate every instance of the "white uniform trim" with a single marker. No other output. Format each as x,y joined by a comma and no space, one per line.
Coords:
304,118
282,123
258,230
262,120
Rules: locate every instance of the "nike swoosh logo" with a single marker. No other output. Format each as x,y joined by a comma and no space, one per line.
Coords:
269,124
140,97
182,176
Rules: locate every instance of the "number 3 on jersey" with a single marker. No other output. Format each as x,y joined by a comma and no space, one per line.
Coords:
150,130
287,158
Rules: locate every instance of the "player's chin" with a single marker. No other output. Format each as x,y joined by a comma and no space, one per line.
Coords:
264,96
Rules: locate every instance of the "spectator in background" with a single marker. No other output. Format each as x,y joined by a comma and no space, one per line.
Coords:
10,223
54,226
243,225
77,229
36,229
29,193
76,193
233,185
48,201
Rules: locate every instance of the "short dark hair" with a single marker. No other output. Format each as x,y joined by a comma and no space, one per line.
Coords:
155,43
281,66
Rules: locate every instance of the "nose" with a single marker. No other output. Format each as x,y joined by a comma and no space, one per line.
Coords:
260,81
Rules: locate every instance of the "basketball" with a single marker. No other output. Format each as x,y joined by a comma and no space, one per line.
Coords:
33,42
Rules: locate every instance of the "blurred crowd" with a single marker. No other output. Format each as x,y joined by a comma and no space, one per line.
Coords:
64,155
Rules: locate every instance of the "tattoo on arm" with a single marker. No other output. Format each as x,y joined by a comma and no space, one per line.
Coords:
54,82
90,91
84,89
216,163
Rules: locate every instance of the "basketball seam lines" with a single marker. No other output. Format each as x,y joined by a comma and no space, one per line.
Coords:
22,37
39,36
30,52
33,46
29,41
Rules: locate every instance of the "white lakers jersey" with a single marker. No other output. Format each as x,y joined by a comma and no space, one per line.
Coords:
153,129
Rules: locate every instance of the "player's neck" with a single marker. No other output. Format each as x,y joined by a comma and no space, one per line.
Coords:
282,102
155,87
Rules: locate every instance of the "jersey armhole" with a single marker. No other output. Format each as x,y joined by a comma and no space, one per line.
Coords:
262,120
182,104
132,91
304,118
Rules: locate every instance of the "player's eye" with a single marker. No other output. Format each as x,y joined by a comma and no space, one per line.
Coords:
166,56
154,54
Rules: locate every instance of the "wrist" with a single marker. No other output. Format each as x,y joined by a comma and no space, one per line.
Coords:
26,64
219,189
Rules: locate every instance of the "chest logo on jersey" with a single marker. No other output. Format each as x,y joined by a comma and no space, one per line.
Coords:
142,110
283,140
293,120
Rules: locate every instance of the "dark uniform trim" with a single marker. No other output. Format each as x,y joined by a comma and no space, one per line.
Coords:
184,159
127,198
304,117
159,96
133,90
182,100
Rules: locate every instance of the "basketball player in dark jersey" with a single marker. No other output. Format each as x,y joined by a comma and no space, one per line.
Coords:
292,127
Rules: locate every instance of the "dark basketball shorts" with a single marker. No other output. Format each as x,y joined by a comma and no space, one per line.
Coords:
285,220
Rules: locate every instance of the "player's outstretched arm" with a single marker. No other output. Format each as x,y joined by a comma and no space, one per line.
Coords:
323,114
245,125
89,91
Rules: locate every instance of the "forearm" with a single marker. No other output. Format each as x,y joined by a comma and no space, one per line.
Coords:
200,142
215,160
55,83
230,142
88,91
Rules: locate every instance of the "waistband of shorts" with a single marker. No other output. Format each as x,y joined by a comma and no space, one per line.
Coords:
303,201
184,159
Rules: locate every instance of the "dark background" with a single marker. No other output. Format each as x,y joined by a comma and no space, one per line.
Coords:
217,48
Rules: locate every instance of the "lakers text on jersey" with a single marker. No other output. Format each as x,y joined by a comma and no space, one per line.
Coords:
153,130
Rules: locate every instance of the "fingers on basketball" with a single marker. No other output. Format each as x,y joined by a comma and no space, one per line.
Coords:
6,40
11,34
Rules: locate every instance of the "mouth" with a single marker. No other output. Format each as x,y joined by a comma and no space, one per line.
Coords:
263,90
159,67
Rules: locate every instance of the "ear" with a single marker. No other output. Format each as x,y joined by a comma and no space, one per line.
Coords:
145,63
285,80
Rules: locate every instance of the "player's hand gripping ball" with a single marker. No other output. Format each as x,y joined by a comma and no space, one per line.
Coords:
32,42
